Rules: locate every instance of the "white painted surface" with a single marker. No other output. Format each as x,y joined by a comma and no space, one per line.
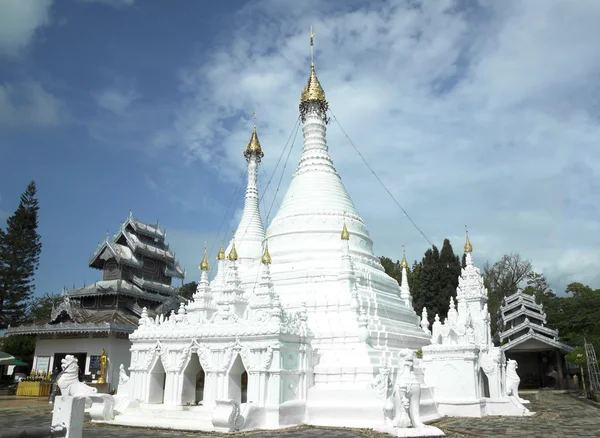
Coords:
117,351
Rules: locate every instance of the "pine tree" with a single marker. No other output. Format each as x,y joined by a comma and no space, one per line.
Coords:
20,247
450,267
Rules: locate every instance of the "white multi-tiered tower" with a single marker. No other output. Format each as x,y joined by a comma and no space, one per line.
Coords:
300,325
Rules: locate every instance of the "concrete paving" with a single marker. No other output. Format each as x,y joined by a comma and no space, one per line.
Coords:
557,415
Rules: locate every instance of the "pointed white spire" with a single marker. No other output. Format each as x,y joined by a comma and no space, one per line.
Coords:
405,287
250,233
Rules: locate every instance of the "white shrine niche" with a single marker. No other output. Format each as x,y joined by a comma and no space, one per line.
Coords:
466,372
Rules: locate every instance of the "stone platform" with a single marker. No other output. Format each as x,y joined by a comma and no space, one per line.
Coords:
557,415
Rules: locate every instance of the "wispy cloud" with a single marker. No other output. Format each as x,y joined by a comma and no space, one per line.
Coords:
481,112
117,100
28,103
19,22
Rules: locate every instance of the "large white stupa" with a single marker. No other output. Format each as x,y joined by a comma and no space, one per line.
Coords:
300,325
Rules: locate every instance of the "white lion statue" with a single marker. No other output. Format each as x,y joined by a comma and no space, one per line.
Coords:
513,380
68,382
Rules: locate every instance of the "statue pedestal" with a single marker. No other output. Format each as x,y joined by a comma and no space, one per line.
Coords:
103,388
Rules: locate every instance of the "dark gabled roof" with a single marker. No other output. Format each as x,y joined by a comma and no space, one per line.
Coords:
126,246
122,287
84,322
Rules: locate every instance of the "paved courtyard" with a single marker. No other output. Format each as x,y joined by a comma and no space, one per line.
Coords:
557,415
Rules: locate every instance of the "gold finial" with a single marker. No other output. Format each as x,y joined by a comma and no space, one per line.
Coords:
253,147
403,263
345,234
312,53
221,254
233,255
313,90
468,246
266,258
204,266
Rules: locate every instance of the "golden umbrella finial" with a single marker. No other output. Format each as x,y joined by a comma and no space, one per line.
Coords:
266,258
468,246
204,266
221,254
404,263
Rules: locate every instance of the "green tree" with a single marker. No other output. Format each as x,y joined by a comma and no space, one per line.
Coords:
502,279
20,248
392,268
576,317
187,290
40,308
538,286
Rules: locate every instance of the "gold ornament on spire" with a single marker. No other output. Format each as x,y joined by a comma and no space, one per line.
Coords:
253,148
403,263
221,254
233,255
313,92
345,234
204,266
468,246
266,258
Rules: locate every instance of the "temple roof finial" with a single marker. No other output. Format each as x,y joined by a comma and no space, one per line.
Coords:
468,246
266,258
345,234
404,263
221,254
313,92
233,255
204,266
254,147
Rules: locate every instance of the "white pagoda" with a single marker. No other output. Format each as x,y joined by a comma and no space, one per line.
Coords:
301,324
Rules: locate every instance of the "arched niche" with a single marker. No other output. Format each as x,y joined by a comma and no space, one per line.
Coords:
193,381
156,384
238,381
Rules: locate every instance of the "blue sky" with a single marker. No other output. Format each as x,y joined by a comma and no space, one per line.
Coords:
481,113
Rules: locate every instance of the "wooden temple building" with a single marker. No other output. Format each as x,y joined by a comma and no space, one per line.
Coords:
525,338
138,269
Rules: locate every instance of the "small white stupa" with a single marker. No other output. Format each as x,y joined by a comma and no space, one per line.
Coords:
301,325
468,374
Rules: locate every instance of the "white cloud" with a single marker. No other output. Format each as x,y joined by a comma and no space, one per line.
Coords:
485,115
28,103
19,22
117,100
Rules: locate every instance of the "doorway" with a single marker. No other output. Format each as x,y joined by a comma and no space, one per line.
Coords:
156,390
238,381
193,382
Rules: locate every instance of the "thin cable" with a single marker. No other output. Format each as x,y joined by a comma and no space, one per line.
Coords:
261,197
379,180
283,172
235,191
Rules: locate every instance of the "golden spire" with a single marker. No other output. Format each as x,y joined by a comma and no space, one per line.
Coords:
403,263
266,258
204,266
468,246
221,254
253,147
313,92
345,234
233,255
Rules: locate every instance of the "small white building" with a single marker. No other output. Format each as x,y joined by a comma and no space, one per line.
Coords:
525,337
137,269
